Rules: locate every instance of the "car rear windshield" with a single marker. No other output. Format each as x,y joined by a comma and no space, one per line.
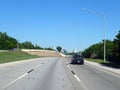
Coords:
78,56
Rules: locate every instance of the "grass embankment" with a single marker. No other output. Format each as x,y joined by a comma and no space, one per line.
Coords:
107,63
15,56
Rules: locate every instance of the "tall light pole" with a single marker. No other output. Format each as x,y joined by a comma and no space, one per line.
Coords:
99,14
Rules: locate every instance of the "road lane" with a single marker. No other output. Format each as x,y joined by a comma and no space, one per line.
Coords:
55,74
95,78
9,72
42,74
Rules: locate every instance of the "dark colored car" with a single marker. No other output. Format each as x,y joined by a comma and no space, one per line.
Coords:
77,59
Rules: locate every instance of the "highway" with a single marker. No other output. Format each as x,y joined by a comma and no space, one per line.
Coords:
55,73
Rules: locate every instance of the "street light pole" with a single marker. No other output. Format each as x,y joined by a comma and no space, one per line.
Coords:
99,14
104,38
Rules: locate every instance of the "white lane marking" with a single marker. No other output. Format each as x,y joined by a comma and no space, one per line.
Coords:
68,66
11,83
22,76
78,79
38,66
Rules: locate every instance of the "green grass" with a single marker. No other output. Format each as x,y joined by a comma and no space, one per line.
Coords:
15,56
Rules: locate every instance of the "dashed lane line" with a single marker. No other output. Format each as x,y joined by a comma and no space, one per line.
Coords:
19,78
11,83
77,78
38,66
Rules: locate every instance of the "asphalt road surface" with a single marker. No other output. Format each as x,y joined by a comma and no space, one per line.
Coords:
55,74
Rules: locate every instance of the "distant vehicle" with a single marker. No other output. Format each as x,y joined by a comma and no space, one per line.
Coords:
77,59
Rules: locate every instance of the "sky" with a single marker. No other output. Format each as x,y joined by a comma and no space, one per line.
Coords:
52,23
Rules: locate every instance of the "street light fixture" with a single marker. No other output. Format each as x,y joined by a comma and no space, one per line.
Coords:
99,14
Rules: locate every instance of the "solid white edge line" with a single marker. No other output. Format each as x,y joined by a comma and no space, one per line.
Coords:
15,81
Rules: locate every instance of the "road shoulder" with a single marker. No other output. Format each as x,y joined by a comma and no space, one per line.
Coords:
109,69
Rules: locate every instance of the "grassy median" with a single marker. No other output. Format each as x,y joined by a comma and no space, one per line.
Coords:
15,56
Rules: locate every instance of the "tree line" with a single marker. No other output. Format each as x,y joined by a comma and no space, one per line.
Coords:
112,50
9,43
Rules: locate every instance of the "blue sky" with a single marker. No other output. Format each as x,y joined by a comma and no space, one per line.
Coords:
60,22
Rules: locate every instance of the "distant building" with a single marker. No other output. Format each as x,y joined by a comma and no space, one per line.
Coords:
75,50
64,51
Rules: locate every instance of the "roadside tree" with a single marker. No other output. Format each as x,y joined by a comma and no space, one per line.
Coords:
116,50
59,48
7,42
